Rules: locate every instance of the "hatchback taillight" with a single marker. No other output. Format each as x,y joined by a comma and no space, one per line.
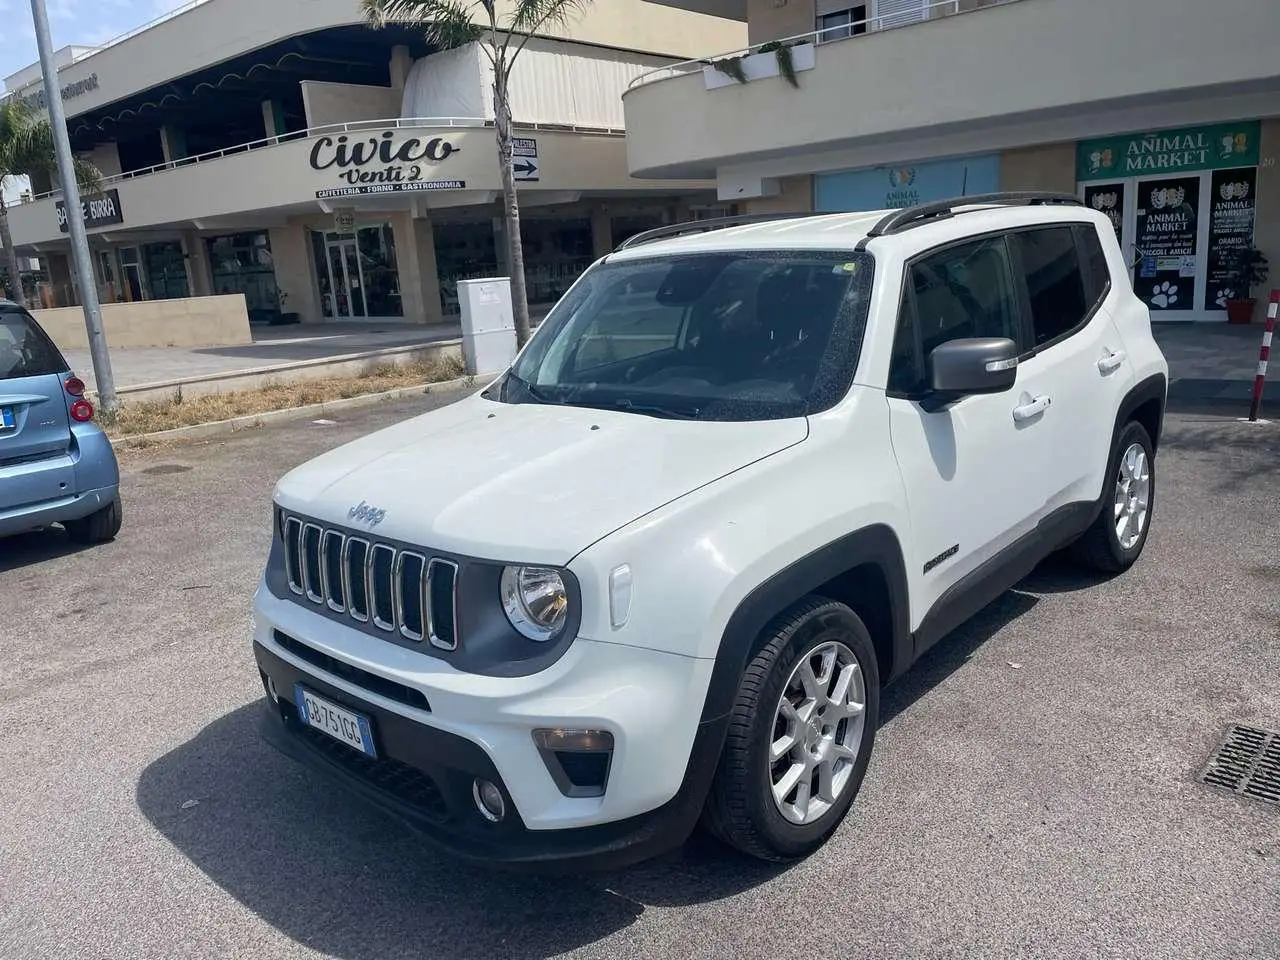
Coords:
74,386
82,411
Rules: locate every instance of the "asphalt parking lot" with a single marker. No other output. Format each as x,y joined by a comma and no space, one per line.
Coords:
1033,791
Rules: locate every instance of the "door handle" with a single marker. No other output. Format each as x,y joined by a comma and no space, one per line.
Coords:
1033,409
1111,362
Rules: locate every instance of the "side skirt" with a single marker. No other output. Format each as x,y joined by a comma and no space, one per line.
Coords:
1003,571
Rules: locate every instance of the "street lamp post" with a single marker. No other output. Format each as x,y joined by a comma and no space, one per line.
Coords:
75,217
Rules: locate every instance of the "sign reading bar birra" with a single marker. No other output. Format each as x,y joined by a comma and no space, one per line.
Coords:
381,164
99,210
1169,151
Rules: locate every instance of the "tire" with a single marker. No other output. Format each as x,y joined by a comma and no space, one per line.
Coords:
98,527
741,809
1100,548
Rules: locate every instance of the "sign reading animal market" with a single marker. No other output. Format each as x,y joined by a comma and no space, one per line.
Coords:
1170,151
381,163
99,210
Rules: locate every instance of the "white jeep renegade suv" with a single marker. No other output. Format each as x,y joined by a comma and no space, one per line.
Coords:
742,476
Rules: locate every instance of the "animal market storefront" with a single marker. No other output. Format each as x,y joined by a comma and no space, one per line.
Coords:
1182,202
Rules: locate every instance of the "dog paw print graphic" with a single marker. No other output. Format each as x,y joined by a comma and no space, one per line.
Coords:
1164,295
1223,296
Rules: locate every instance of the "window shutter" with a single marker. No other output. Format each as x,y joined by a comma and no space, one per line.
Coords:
895,13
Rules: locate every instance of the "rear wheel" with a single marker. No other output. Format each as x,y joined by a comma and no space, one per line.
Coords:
98,527
1119,533
800,734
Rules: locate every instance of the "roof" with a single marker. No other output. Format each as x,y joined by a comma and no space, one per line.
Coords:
915,227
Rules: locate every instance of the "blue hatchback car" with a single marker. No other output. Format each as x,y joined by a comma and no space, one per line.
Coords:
56,464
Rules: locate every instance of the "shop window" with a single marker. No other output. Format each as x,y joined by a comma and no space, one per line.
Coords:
380,272
1055,283
166,271
242,263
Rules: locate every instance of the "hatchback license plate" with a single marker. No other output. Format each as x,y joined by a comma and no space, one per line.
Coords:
7,421
345,726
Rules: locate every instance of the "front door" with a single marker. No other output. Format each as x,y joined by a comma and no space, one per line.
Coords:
1168,253
970,470
346,281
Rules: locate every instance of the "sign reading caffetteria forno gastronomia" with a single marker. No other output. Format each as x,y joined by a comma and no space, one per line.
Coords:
1170,151
381,163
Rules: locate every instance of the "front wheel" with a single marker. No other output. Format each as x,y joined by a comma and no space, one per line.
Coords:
1119,533
800,734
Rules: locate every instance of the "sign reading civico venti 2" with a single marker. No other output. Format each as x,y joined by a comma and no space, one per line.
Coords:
381,164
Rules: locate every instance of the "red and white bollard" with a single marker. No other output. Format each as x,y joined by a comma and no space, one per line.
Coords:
1264,355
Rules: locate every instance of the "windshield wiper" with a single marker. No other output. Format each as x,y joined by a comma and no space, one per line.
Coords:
535,393
651,409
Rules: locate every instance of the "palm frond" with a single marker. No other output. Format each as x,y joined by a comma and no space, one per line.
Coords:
26,147
445,24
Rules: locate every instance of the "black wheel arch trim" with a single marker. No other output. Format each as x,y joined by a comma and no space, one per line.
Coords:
876,545
1154,387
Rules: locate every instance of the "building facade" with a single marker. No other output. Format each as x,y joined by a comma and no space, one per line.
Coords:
327,170
1165,115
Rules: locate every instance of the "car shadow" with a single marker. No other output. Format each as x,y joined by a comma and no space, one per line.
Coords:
26,549
340,877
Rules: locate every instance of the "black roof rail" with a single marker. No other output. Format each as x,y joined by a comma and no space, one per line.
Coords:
908,217
701,226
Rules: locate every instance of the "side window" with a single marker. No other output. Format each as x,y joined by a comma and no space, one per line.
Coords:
965,291
1097,273
1055,281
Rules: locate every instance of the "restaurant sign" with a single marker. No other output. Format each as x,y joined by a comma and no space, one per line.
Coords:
1169,151
383,163
99,210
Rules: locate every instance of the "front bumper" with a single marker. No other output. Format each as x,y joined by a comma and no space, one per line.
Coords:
74,507
431,751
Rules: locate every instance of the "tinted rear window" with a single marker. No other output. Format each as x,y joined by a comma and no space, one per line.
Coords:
25,350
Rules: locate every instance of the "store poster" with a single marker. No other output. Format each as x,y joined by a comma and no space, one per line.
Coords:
1232,208
1107,198
1166,241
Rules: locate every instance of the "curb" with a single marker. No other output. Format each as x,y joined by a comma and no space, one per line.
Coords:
201,431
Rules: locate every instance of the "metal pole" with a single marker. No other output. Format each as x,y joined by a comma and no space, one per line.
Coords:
102,375
1264,355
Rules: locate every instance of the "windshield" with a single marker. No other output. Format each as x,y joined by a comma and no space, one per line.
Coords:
25,351
743,335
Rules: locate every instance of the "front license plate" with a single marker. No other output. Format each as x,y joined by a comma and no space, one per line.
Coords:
7,422
342,724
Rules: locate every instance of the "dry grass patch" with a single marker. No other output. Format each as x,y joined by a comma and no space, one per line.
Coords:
150,416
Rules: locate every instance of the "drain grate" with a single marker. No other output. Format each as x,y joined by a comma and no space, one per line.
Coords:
1247,762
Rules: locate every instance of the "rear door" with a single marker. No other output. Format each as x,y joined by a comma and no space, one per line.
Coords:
35,426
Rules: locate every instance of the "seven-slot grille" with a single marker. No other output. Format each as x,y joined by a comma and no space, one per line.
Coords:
371,582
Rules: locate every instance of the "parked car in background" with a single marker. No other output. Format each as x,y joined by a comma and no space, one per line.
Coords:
56,464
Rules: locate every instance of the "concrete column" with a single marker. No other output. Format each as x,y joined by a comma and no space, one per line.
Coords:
401,63
199,273
428,271
272,119
601,230
173,143
1266,218
295,274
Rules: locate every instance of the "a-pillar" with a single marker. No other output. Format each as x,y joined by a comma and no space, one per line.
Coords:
199,274
601,230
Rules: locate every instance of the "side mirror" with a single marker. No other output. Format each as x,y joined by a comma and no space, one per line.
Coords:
959,368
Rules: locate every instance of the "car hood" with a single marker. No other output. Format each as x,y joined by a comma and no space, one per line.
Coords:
528,483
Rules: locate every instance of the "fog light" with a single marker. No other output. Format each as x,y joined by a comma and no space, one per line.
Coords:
488,800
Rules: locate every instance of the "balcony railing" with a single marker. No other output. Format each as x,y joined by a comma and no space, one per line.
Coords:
845,31
331,128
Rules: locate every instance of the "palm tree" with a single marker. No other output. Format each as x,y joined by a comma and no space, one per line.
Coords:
455,23
26,148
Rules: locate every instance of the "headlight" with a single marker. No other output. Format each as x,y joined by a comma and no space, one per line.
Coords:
535,600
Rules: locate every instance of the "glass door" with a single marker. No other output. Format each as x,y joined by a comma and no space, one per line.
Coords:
1167,245
346,281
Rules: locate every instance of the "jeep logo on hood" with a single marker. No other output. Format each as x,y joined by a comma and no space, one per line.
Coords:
363,513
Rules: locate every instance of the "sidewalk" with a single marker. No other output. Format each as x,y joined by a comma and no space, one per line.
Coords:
1210,363
272,345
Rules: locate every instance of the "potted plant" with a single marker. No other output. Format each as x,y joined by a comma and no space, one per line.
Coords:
1246,270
